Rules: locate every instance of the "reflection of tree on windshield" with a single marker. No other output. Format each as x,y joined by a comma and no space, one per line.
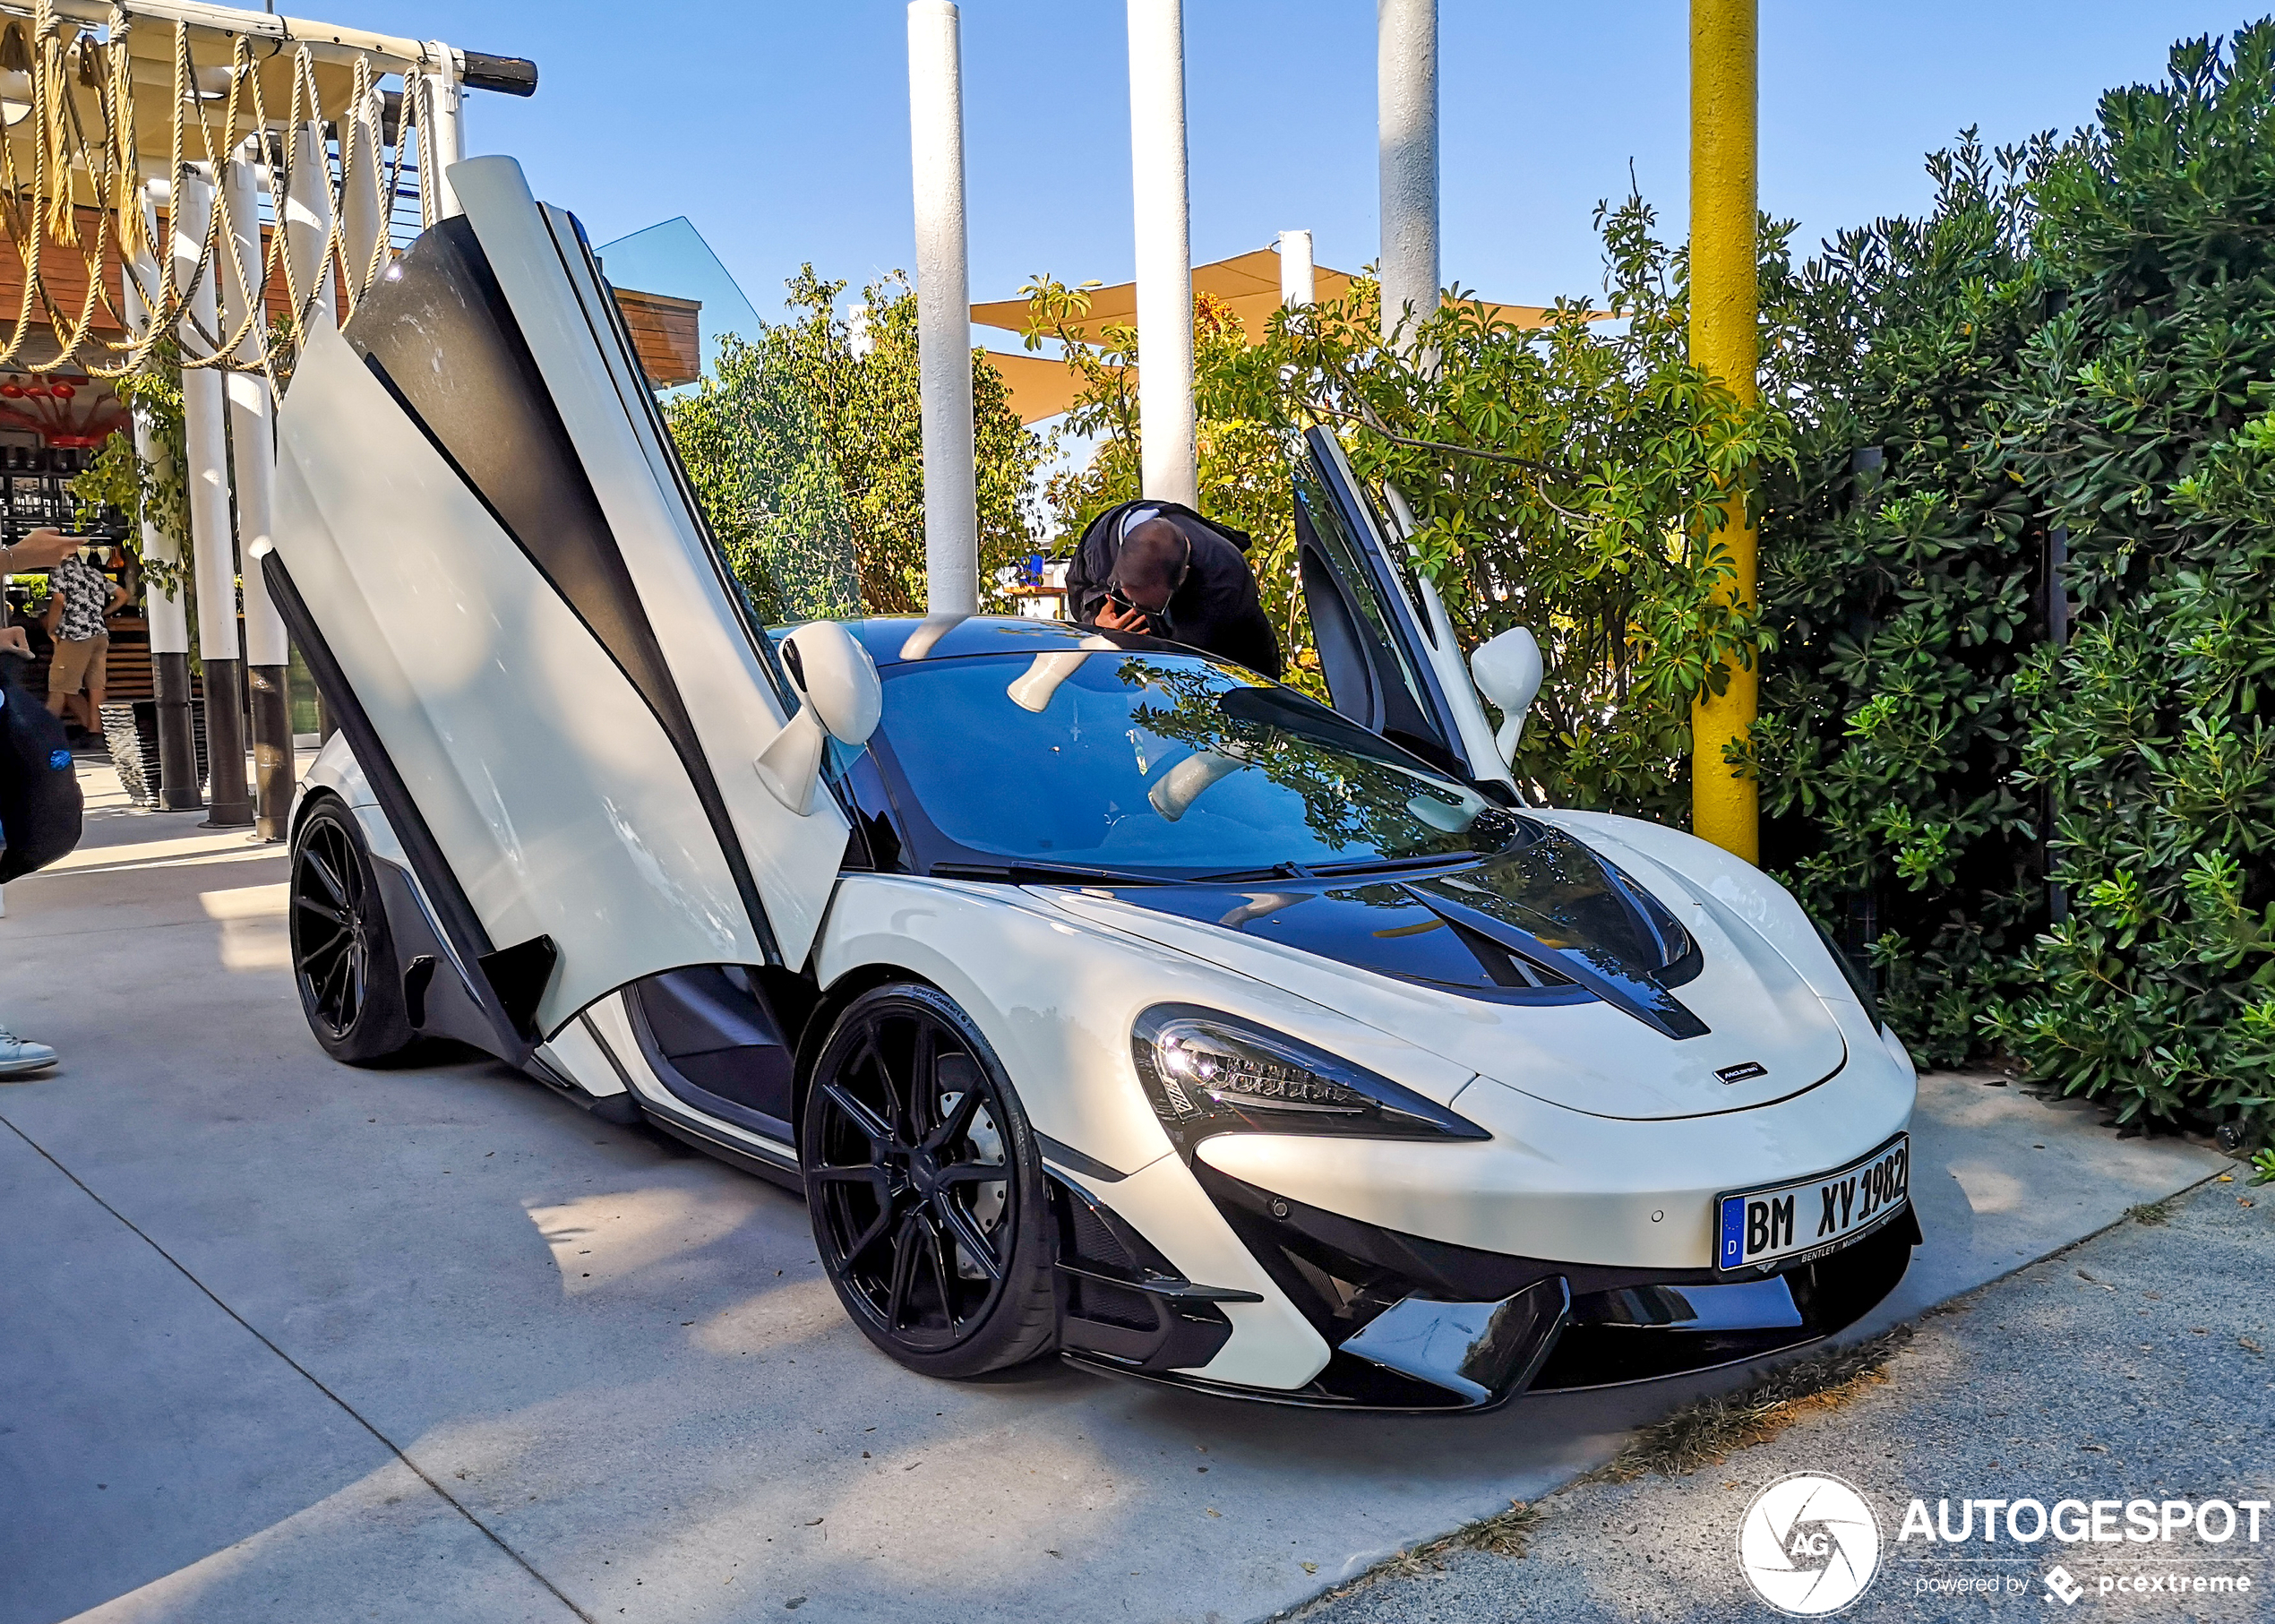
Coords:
1354,800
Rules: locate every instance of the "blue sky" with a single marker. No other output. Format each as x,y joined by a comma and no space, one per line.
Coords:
780,128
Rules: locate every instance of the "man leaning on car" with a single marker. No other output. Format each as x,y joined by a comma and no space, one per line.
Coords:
1161,569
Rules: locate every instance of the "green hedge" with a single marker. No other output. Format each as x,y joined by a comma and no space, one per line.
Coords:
2067,841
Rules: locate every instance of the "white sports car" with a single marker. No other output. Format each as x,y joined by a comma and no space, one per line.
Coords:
1101,997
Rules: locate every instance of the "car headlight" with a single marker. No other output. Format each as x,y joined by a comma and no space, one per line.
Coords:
1209,1073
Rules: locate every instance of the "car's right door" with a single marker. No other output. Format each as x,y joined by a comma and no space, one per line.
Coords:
1386,645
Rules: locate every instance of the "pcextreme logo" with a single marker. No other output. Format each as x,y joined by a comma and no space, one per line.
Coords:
1809,1545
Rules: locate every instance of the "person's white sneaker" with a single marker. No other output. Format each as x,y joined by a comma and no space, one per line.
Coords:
20,1055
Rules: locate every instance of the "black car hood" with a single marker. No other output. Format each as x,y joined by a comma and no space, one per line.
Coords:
1546,920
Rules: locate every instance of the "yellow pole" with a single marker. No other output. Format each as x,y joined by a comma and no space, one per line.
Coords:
1723,305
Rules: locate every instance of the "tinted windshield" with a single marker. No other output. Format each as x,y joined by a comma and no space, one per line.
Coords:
1161,764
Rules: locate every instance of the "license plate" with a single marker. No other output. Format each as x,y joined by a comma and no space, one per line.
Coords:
1794,1223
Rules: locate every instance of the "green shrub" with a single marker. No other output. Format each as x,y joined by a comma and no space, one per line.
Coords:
2137,419
1903,578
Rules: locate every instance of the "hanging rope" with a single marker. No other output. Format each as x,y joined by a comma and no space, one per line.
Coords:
73,205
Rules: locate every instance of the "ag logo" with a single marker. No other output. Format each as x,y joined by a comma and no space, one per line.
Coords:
1809,1544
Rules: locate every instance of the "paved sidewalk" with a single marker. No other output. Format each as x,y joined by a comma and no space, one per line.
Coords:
2135,1367
282,1340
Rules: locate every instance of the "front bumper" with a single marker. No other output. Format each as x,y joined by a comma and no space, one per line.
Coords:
1420,1326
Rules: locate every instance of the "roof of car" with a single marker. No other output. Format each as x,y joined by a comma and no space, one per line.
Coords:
901,640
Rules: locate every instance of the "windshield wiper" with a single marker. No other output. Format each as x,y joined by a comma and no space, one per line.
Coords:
1376,865
1242,876
1040,873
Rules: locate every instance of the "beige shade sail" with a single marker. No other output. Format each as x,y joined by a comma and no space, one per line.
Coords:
1039,386
1248,282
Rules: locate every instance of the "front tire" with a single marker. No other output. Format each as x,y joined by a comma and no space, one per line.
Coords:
343,955
925,1188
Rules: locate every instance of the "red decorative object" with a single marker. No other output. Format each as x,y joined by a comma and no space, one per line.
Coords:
14,391
62,391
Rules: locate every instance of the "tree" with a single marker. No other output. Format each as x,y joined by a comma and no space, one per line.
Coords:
807,459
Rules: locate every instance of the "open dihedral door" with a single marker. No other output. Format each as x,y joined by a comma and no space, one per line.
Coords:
540,659
1386,645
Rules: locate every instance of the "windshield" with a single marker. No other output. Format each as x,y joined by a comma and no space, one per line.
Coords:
1163,766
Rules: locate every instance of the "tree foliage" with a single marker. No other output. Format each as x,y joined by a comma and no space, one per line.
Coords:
2140,420
807,458
1903,576
2062,843
154,492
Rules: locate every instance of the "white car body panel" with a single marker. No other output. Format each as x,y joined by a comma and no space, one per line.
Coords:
729,700
1556,1184
575,1051
1057,997
1711,875
556,798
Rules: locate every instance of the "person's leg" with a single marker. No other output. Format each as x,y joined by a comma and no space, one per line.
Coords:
67,668
97,682
20,1056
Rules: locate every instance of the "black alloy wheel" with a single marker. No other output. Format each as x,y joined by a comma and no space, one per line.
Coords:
926,1189
343,957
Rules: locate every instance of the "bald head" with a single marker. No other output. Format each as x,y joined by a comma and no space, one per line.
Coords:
1152,563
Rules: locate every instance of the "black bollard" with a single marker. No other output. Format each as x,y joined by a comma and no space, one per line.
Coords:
177,774
227,804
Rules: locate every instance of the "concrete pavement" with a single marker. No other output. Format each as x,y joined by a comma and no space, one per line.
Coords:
282,1340
2135,1366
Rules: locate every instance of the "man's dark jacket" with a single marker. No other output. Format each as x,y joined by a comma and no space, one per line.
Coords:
1216,609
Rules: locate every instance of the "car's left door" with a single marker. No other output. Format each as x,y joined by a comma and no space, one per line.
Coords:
1385,643
492,555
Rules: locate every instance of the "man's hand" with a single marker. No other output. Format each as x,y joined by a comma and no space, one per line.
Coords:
45,546
13,641
1116,619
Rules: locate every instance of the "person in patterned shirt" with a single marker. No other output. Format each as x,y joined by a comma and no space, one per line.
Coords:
79,600
43,547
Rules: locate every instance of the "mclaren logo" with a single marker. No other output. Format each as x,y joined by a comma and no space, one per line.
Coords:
1745,1071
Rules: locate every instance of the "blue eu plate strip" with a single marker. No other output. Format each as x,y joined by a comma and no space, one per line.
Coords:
1733,1244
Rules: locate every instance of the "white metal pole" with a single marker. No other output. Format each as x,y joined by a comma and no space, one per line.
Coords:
1297,284
447,139
204,423
168,615
1168,456
309,222
253,446
943,308
252,461
213,555
1406,87
363,212
166,612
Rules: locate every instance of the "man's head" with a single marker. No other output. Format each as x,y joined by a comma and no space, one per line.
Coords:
1151,565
